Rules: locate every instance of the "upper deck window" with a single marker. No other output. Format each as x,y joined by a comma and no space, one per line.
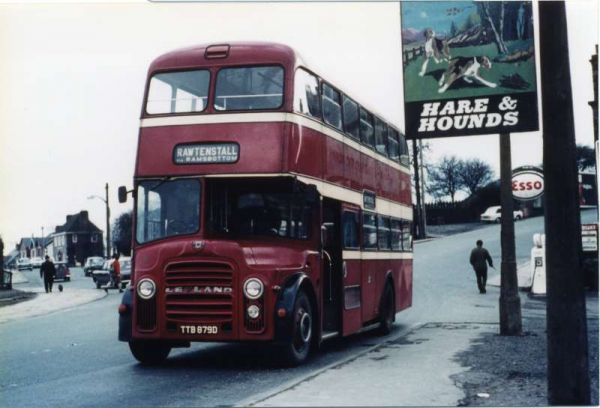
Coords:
404,151
380,136
366,128
251,88
332,107
178,92
351,120
393,146
306,94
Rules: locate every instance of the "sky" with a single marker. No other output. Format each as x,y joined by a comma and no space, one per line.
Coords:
72,76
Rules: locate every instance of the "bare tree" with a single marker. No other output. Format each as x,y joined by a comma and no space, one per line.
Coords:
487,14
445,178
585,157
475,174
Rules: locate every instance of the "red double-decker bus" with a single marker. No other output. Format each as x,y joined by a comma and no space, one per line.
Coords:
269,206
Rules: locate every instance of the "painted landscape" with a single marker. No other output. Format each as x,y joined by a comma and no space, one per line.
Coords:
501,31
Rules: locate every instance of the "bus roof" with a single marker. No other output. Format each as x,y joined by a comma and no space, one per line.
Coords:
236,53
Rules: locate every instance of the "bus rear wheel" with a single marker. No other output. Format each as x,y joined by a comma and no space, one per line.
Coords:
149,352
388,311
297,350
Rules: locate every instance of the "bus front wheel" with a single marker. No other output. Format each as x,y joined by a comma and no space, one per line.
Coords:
149,352
296,351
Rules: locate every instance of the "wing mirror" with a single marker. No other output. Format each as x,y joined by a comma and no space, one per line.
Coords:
122,194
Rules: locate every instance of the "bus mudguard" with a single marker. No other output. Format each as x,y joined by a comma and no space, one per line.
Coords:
125,320
286,300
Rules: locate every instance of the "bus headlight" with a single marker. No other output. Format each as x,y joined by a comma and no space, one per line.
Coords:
146,288
253,288
253,311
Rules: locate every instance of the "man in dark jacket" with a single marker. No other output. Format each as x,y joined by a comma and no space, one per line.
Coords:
48,272
479,256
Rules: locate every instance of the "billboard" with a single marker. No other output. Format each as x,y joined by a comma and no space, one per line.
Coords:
469,68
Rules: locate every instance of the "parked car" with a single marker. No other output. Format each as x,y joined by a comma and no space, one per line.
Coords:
101,277
62,271
493,214
23,263
93,263
36,262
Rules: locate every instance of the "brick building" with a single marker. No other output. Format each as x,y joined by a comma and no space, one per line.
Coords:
77,239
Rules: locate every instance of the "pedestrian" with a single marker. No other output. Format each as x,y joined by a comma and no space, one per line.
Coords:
48,272
479,257
115,275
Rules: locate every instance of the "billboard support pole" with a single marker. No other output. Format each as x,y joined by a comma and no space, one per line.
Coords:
568,371
417,222
510,302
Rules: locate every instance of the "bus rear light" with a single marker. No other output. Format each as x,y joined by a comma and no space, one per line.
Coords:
122,308
216,51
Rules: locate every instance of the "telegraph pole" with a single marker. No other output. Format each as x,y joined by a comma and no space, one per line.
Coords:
568,371
510,302
419,233
107,223
424,206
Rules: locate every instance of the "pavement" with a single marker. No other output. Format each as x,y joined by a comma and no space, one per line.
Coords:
442,364
30,302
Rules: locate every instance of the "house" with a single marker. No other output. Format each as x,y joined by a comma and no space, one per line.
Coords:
77,239
30,247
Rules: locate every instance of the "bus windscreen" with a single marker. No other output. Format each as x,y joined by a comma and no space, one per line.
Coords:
167,208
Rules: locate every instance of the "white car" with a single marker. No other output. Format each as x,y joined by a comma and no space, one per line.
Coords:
36,262
493,214
23,263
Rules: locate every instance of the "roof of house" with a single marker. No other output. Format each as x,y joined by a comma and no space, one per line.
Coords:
79,222
30,242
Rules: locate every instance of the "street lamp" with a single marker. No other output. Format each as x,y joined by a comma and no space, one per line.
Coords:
107,218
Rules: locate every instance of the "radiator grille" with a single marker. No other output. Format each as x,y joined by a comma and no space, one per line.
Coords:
146,313
199,292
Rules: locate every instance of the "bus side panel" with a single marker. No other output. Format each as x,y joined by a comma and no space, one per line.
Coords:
352,168
305,147
369,180
333,160
351,305
405,195
369,295
403,280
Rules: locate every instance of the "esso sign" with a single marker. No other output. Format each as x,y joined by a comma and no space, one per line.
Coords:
527,184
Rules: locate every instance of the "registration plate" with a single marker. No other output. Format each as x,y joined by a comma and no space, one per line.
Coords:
198,329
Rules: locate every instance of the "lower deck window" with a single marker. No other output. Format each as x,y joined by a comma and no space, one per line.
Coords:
369,231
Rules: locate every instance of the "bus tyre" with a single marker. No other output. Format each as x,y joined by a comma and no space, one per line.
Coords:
388,311
149,352
297,350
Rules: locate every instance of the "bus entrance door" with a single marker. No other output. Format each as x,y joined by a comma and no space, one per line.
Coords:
332,267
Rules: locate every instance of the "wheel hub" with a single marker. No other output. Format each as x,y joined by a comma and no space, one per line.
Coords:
305,326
